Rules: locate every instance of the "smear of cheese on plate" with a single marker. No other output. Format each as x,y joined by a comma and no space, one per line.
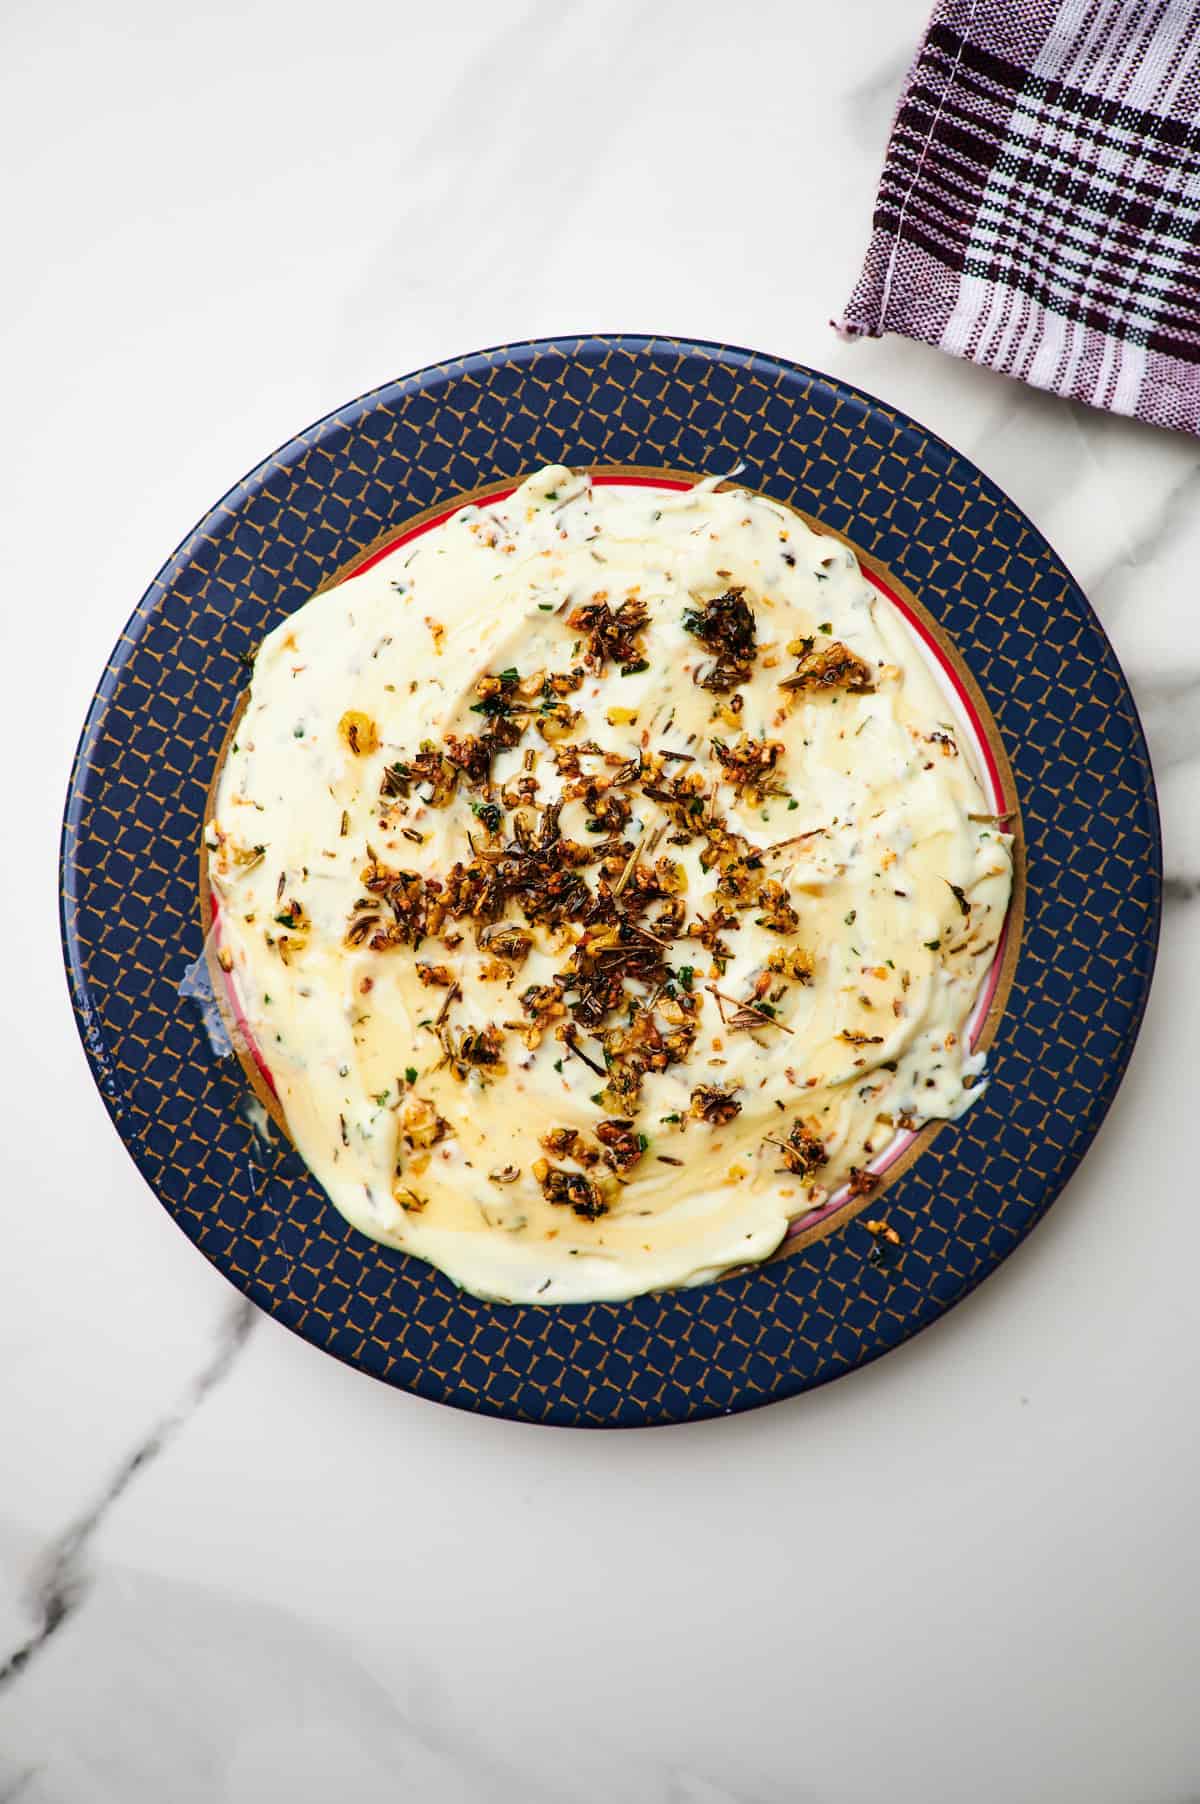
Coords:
604,879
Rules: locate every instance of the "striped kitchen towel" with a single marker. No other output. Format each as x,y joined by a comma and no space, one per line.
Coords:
1039,208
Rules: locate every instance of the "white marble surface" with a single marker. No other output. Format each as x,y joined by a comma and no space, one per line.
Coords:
246,1574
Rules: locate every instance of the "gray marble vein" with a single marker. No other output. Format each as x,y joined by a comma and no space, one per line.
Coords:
1150,535
871,102
60,1581
180,1692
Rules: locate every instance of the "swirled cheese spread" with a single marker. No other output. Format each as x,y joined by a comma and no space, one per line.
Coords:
604,879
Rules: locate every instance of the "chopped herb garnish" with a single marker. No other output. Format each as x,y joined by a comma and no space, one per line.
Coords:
397,779
852,917
725,625
410,1074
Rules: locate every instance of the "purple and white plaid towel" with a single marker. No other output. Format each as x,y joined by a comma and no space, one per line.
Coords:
1039,208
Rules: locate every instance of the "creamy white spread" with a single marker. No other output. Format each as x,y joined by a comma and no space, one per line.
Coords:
604,879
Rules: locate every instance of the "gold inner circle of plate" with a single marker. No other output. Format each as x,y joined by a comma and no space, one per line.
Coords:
1010,804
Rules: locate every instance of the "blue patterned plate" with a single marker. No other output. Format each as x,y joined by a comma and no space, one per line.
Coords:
1034,667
